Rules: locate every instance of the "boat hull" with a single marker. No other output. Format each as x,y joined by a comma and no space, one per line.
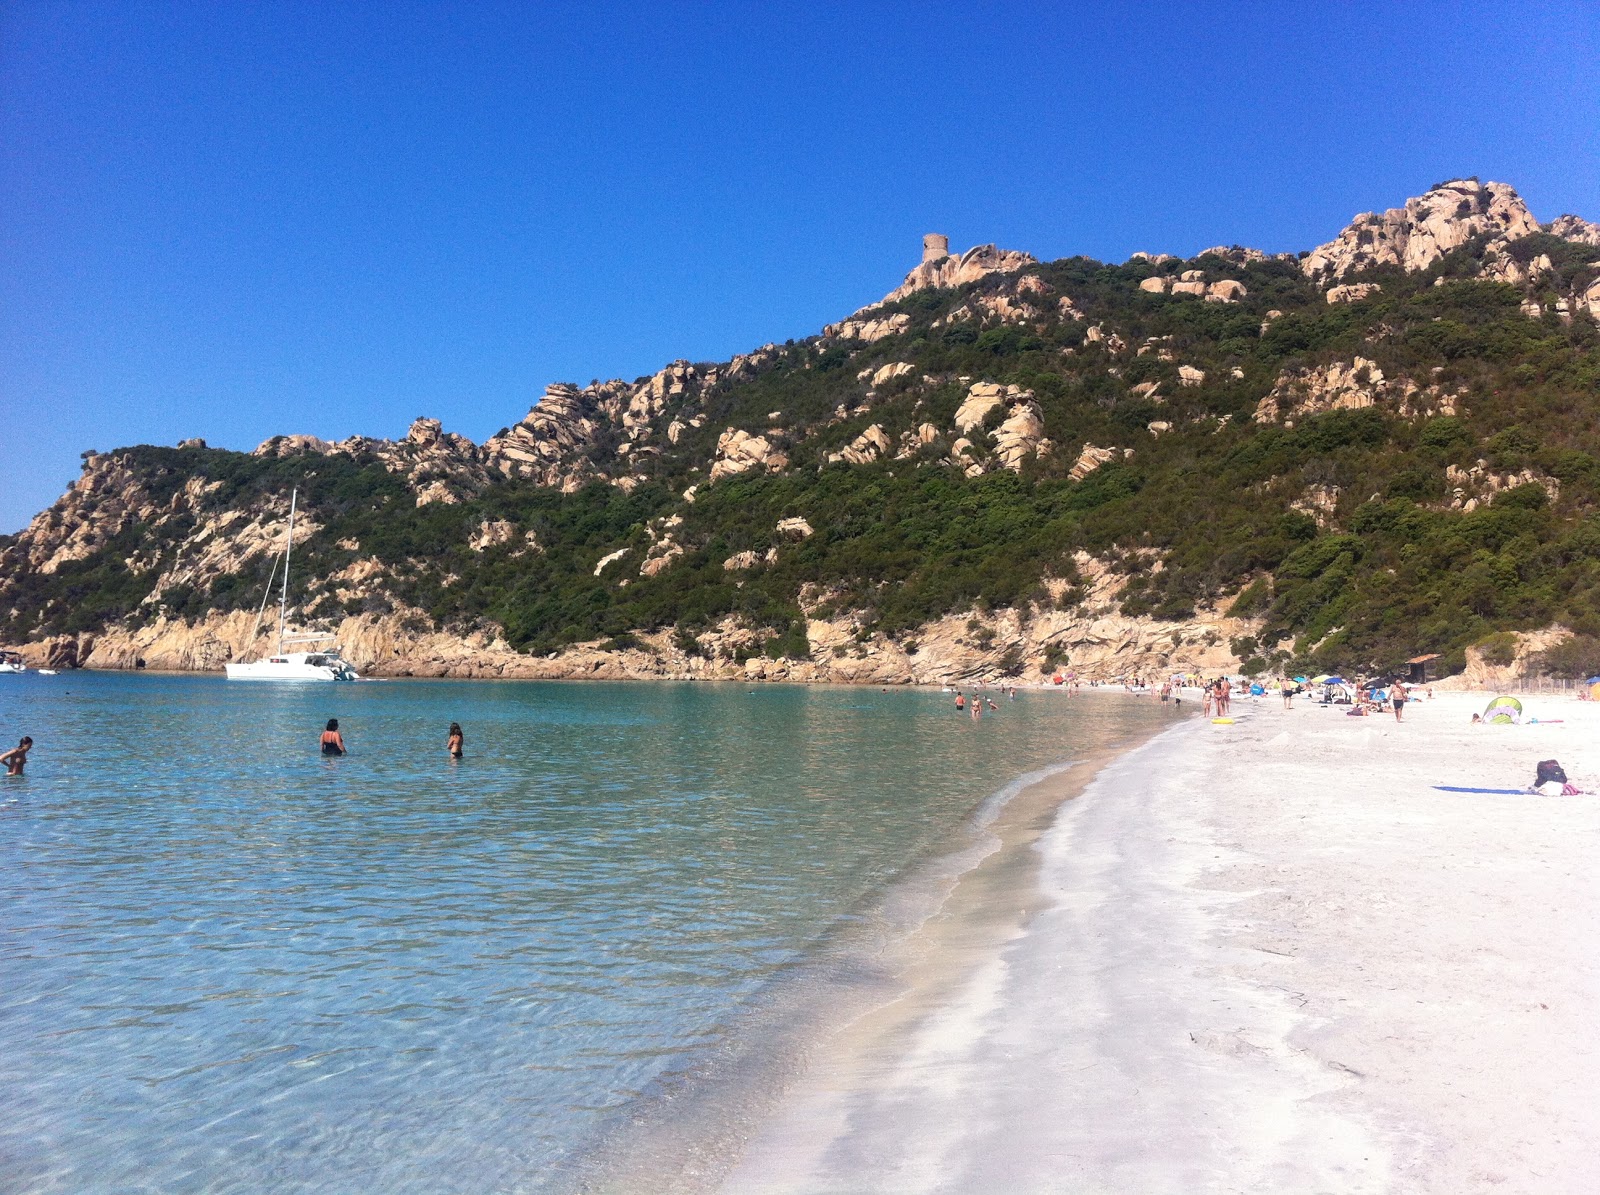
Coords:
294,671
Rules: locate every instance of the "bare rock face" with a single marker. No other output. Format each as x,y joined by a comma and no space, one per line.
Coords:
492,533
738,452
1090,459
796,527
912,442
1415,236
1571,228
982,398
1020,302
548,445
1239,255
869,446
1342,386
1226,290
1476,484
1590,300
1502,267
1020,436
104,501
947,272
1318,501
281,446
1352,293
1189,376
1157,285
887,373
868,330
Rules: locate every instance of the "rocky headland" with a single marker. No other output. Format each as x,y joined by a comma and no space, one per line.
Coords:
625,529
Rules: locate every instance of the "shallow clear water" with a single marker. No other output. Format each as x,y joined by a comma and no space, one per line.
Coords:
228,964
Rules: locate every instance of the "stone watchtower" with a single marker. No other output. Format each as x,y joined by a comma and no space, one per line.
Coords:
934,246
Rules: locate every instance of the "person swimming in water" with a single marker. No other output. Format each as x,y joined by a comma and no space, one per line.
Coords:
332,740
455,740
17,758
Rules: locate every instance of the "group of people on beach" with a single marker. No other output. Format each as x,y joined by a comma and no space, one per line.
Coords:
332,742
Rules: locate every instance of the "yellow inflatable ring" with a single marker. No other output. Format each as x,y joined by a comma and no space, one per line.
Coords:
1222,721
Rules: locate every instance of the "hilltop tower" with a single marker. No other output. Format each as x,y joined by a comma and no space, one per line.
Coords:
934,246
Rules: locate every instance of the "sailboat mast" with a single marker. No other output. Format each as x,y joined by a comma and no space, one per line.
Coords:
288,547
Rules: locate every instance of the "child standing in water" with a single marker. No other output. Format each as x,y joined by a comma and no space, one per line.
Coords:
332,740
17,758
456,739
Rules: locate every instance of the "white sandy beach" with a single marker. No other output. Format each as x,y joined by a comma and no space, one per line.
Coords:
1266,957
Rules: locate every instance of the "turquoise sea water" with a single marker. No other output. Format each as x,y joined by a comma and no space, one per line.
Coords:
228,964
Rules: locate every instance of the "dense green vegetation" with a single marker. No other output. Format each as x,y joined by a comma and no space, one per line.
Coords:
1389,571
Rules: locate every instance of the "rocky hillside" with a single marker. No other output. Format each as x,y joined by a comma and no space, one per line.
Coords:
1384,446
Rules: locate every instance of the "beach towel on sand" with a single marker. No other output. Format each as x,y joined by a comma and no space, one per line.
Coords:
1453,788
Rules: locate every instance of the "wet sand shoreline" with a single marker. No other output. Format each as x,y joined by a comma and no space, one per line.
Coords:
1270,956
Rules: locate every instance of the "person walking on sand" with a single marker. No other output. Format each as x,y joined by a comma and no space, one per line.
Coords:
332,740
454,742
1225,696
1288,693
1397,698
17,758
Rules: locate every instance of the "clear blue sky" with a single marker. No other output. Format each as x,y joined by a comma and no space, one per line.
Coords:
235,220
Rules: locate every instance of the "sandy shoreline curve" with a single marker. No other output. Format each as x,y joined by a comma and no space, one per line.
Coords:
1266,956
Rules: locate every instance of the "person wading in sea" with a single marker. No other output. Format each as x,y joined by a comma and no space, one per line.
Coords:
17,758
332,740
455,741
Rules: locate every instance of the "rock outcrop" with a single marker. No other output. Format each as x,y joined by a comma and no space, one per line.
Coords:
947,272
1091,458
868,331
739,452
1415,236
869,446
1571,228
1193,282
1344,386
1353,292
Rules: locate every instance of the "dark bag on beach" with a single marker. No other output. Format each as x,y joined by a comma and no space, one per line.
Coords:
1550,770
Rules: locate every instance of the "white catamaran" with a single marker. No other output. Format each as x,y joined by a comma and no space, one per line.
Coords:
308,663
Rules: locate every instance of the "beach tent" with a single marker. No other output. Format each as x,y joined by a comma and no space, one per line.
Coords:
1503,711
